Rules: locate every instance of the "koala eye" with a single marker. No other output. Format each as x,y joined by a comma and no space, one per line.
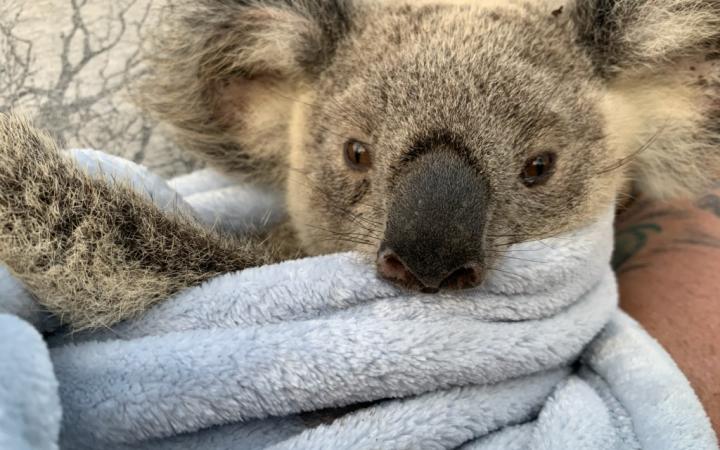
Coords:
357,155
538,169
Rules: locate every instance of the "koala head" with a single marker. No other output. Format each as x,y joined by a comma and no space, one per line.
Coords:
433,134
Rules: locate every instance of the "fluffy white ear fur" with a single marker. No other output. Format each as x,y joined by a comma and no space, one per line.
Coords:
660,61
662,29
624,35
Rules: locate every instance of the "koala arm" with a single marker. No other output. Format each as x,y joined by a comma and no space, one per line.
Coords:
95,253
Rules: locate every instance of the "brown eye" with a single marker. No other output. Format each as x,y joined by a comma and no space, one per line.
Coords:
357,155
538,169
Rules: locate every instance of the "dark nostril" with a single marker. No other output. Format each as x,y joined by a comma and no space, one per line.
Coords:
390,266
394,263
464,278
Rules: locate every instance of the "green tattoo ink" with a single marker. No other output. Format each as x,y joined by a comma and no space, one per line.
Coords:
631,240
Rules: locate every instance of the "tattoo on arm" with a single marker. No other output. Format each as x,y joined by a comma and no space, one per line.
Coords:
646,219
710,202
630,241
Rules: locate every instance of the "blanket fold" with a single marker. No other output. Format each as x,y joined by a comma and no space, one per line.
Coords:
538,358
29,402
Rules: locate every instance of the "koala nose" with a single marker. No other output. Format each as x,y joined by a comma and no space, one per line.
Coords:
392,267
435,226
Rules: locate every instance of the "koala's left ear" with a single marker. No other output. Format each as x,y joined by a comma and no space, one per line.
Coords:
622,35
662,103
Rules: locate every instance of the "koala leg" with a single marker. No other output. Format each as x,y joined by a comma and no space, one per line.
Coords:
95,253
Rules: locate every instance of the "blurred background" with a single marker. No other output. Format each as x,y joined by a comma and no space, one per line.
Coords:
71,65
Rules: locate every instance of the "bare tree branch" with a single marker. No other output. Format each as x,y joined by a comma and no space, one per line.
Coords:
85,102
16,52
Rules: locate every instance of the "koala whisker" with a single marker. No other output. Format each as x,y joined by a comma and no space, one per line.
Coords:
632,156
344,233
339,237
358,221
495,269
363,222
533,236
538,241
626,197
347,240
506,246
505,255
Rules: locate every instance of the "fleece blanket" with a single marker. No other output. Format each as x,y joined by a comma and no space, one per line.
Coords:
321,354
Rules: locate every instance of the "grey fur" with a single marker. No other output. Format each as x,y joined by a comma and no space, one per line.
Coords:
96,253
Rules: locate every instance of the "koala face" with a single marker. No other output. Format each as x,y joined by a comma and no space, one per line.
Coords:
433,134
436,139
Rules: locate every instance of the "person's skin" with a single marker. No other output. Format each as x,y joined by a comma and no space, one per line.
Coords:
668,263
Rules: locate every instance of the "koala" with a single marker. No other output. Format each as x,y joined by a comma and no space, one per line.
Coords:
429,135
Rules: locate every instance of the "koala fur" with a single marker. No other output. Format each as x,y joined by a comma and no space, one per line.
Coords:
94,253
619,92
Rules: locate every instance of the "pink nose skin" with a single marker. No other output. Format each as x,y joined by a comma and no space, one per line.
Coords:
392,268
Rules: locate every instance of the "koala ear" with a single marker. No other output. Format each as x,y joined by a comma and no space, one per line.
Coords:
632,34
282,38
657,60
224,73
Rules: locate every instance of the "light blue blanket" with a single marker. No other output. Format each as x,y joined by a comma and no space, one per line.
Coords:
538,358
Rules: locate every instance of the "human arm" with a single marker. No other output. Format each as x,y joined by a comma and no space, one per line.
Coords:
668,264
